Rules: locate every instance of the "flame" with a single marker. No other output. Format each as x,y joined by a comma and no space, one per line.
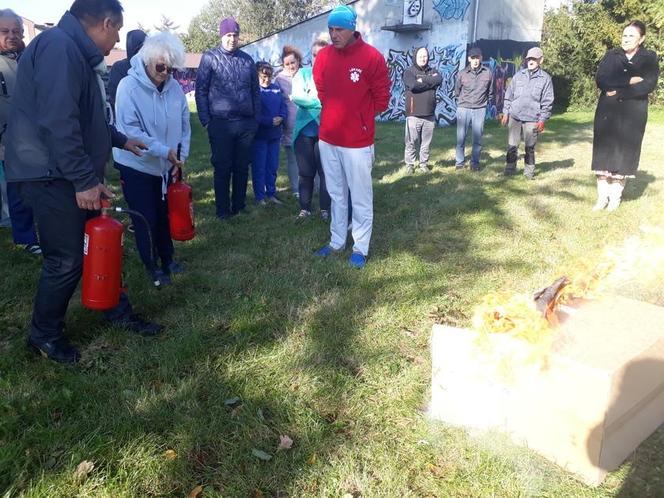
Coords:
639,258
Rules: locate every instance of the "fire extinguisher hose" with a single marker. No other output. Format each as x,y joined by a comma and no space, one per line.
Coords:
147,226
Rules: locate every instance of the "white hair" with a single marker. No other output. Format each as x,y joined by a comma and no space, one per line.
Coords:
165,47
9,13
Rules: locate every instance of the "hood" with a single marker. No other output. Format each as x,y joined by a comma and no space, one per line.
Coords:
72,26
415,50
135,39
137,71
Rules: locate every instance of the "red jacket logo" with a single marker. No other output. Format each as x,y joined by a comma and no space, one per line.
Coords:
355,74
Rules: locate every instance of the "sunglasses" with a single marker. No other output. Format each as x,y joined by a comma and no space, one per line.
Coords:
160,68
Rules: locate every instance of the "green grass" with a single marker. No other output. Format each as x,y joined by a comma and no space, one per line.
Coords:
335,358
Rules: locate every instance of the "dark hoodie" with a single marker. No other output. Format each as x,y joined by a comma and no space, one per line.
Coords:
135,39
421,84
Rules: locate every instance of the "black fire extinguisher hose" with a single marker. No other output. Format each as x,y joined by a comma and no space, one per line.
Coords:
156,283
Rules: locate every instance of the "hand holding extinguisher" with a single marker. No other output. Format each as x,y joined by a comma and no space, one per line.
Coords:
180,205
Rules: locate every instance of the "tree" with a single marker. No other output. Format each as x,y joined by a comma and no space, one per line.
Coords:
256,18
574,43
166,24
143,28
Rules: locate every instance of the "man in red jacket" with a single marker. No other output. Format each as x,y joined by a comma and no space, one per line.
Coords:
353,87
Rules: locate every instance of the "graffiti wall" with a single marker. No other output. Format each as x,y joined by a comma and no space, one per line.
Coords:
445,32
446,60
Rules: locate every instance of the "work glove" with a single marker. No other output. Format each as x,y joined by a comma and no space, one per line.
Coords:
540,126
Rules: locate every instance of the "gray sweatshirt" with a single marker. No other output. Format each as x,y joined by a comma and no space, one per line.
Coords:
474,88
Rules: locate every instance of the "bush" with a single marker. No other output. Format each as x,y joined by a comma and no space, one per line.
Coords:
575,41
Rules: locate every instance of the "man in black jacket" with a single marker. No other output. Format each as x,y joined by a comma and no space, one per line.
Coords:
473,90
58,144
421,82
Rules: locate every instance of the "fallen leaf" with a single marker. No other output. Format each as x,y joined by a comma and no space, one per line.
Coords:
83,469
285,443
196,492
257,493
232,401
312,459
170,454
260,454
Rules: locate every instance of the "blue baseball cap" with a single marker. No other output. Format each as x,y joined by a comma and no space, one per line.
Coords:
342,16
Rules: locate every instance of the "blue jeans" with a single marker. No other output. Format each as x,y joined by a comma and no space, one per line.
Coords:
264,166
23,225
465,119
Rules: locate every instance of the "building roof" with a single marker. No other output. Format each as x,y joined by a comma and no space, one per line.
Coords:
191,60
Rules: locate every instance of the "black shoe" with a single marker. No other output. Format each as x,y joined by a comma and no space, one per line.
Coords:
57,350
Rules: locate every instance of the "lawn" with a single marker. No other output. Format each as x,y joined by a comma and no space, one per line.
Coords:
264,340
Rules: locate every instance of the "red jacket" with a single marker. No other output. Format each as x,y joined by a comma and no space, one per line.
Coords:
353,87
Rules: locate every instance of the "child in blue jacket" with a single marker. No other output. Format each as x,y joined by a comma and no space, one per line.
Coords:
266,142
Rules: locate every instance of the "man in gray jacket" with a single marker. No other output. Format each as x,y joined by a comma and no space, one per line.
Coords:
473,90
528,104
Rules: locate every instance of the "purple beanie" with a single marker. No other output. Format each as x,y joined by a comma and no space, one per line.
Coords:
228,25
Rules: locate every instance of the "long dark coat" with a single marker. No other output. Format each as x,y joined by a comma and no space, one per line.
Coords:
620,121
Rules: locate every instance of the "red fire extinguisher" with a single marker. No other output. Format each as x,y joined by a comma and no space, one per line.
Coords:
102,261
180,207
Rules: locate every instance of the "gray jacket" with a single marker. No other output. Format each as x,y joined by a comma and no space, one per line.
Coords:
474,89
529,97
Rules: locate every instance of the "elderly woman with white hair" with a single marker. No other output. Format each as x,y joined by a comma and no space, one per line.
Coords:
150,106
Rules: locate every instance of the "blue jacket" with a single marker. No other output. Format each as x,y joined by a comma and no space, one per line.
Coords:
529,97
158,119
58,126
227,86
273,104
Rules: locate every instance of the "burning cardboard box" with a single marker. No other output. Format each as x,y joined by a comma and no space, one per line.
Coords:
585,398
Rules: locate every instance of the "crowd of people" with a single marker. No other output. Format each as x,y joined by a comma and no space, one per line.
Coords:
60,125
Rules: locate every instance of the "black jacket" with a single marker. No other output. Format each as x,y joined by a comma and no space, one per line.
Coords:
474,89
620,120
421,85
58,126
135,39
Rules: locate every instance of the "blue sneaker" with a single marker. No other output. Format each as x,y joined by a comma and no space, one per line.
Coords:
325,251
175,267
357,260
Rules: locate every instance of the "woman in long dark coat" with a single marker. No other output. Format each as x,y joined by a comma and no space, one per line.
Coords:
625,77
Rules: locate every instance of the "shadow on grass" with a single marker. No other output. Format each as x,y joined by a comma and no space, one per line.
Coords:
636,187
263,340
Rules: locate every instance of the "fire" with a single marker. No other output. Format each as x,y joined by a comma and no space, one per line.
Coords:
639,259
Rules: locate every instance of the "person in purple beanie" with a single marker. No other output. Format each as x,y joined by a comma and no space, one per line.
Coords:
229,107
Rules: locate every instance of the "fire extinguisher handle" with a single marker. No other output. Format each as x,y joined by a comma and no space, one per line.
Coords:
105,203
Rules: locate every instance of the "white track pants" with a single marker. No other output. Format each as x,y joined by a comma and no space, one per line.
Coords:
349,169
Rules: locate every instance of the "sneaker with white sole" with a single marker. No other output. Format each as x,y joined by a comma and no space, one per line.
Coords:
302,215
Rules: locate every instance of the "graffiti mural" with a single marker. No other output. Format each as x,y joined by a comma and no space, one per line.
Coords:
451,9
446,60
502,72
187,79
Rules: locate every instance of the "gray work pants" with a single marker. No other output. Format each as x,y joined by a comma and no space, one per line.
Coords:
515,130
419,132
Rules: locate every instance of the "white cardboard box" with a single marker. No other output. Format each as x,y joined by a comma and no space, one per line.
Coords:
596,396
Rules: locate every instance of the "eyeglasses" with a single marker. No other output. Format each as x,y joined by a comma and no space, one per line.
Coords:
160,68
16,32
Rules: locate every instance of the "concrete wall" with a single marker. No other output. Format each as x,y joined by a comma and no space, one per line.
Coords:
518,20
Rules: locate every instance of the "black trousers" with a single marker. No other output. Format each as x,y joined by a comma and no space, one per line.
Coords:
308,164
61,225
230,143
143,193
